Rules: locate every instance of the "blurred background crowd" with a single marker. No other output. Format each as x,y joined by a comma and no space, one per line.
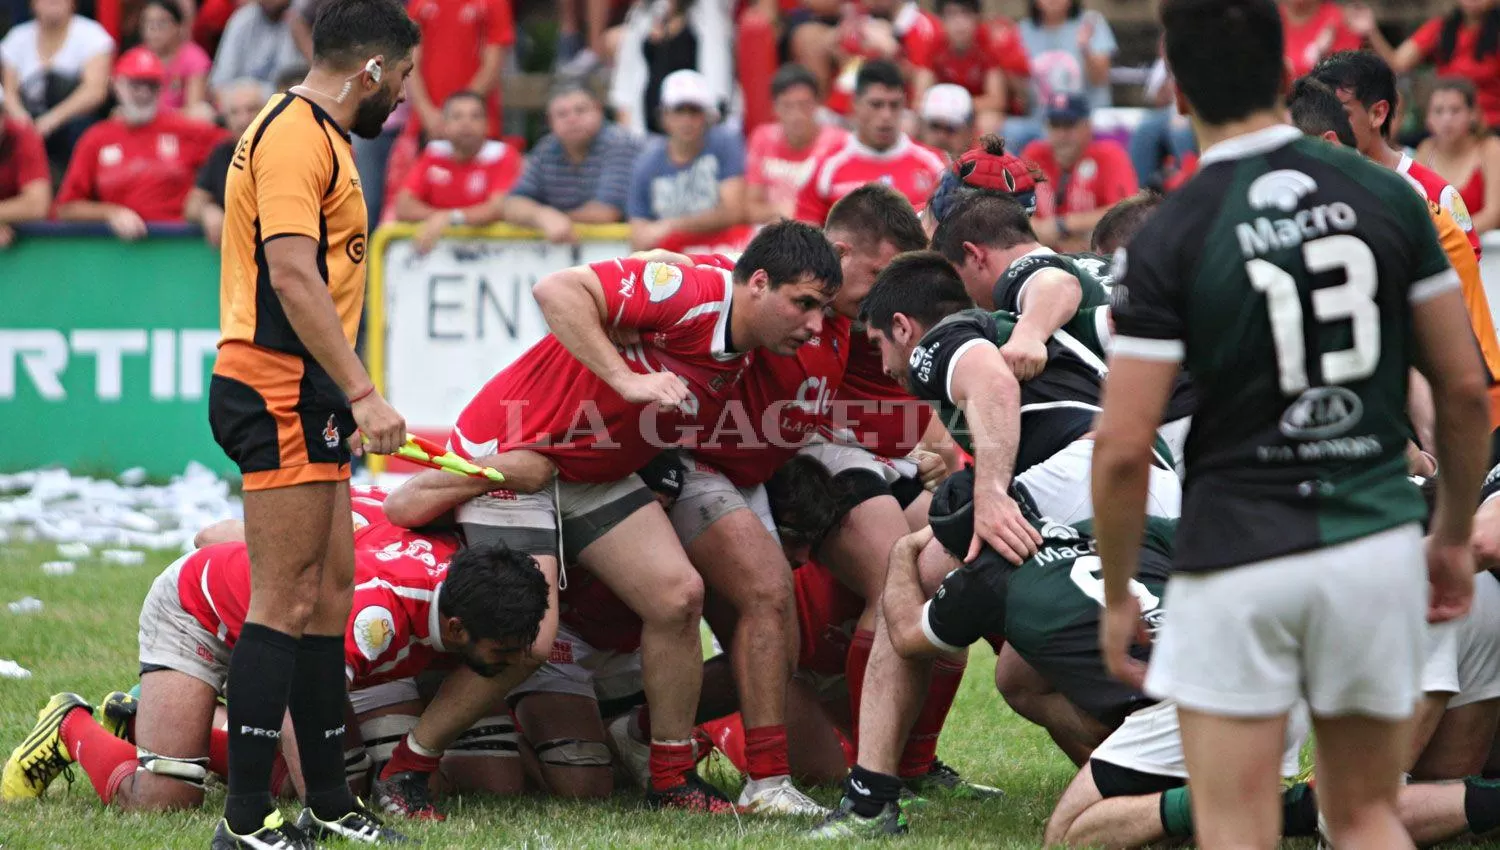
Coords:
692,121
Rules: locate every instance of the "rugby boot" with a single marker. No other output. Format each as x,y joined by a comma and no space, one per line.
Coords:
360,825
843,823
42,755
274,834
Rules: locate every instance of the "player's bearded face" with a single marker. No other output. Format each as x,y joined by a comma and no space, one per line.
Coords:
372,112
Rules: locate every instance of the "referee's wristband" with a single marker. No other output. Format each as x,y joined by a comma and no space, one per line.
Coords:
362,396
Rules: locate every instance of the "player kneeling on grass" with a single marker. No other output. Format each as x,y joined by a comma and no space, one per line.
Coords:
1118,800
484,607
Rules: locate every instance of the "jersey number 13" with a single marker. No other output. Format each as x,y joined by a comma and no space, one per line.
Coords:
1352,300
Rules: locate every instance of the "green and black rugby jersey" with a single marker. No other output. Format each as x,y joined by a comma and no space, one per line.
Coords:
1057,407
1094,273
1048,610
1281,277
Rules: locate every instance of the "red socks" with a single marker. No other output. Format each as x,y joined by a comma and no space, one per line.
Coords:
921,745
106,759
671,761
854,672
404,758
218,753
765,752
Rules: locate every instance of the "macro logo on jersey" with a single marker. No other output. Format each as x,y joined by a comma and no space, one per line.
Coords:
663,279
1322,412
1283,190
374,628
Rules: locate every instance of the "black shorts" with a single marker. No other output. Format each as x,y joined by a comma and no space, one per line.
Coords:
279,417
1113,780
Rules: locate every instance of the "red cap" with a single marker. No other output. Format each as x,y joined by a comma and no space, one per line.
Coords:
139,63
1000,173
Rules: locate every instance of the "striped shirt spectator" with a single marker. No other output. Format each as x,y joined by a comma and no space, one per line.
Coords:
579,173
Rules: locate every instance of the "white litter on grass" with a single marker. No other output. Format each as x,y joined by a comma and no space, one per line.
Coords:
11,670
25,605
59,568
83,515
123,557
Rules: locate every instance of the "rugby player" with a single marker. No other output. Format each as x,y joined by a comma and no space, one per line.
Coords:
287,395
598,413
1367,87
875,425
1123,221
1324,521
985,169
419,603
1454,723
1121,799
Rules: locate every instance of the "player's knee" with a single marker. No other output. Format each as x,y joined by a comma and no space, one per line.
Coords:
575,768
678,602
162,783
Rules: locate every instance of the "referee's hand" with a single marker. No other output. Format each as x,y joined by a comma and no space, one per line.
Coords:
379,423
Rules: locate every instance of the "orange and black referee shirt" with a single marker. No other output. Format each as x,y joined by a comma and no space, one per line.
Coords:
273,409
292,175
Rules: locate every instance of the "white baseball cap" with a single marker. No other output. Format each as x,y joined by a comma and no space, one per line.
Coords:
689,88
946,103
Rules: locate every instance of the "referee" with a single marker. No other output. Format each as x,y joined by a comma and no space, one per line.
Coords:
288,397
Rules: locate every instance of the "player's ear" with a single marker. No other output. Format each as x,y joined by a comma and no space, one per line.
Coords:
842,249
760,282
973,252
1378,113
375,70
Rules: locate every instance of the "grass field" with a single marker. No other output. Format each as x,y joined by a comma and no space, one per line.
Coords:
85,641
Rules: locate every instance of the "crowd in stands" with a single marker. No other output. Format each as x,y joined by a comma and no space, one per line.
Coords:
131,119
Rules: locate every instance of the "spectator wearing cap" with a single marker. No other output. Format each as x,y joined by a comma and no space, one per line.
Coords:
662,37
137,166
689,187
239,103
877,151
257,43
987,58
1085,176
461,178
61,94
780,156
25,180
577,174
947,120
463,48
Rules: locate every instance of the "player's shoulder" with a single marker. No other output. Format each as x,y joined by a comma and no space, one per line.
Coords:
287,128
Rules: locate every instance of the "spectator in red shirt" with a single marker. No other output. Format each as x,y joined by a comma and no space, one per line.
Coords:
1462,152
987,59
877,151
1085,176
893,30
463,49
461,179
136,167
1463,43
947,117
25,181
780,157
1314,29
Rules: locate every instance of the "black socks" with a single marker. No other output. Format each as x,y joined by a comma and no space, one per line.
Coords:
260,677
